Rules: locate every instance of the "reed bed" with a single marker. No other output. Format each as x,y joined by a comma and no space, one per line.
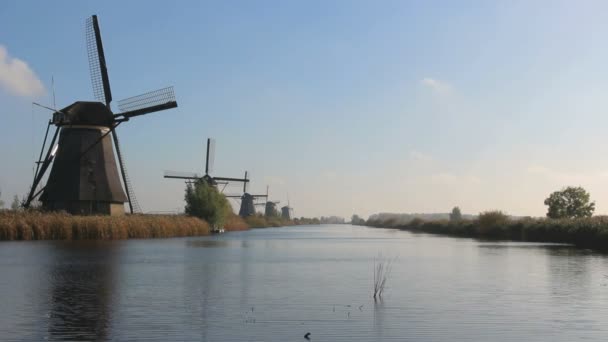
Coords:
259,221
591,232
235,223
32,225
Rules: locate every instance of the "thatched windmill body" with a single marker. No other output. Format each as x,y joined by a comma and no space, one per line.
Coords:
84,177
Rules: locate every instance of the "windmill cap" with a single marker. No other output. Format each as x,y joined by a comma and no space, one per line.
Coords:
84,113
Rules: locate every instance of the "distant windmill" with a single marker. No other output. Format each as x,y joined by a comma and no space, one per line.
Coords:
287,211
270,207
84,178
248,204
209,161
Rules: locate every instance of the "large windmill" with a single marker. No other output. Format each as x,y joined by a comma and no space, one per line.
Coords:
209,161
84,177
248,204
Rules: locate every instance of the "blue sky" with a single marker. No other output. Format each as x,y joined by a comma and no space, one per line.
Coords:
348,106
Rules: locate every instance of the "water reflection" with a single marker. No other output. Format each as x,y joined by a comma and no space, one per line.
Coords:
207,243
81,284
569,273
248,289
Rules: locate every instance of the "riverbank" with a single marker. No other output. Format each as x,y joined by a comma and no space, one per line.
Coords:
591,232
34,225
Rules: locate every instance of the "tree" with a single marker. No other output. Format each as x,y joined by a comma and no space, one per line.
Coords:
455,215
16,204
206,202
356,220
1,201
570,202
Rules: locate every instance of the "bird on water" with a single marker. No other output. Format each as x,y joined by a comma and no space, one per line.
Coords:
307,336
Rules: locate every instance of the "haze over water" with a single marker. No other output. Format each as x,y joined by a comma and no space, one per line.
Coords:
278,284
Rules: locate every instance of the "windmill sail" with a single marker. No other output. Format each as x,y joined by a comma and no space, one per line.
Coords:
133,203
182,175
149,102
210,157
97,62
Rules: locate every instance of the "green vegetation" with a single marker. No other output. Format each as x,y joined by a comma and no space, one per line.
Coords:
589,232
570,202
206,202
34,225
568,221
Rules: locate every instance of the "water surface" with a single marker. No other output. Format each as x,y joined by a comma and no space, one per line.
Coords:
278,284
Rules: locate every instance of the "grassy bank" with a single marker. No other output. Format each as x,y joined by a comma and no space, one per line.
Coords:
589,232
259,221
34,225
23,225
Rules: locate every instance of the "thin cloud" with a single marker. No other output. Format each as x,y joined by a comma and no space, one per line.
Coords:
17,78
437,86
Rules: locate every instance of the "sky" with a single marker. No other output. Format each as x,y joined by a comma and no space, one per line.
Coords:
343,107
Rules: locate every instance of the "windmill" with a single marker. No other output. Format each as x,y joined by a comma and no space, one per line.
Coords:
84,177
209,161
287,211
248,204
270,207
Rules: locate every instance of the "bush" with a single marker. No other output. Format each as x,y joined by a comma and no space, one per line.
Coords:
492,222
206,202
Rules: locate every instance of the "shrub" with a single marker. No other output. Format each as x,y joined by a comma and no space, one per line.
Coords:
206,202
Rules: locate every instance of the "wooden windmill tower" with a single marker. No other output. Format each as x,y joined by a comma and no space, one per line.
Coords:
209,161
270,207
287,211
84,176
248,204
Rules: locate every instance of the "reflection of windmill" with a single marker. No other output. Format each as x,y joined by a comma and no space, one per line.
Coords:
287,211
209,159
84,178
248,201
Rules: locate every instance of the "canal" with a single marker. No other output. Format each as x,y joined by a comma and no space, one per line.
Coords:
279,284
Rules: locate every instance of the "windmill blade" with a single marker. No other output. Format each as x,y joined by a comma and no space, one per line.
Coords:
210,156
149,102
122,168
260,196
228,179
245,183
97,62
182,175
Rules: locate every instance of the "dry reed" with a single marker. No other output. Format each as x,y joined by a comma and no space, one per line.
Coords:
32,225
235,223
382,269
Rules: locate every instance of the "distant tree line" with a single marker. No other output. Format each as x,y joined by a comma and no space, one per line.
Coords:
331,220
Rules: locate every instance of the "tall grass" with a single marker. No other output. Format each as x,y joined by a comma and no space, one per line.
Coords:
235,223
32,225
589,232
36,225
259,221
382,269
